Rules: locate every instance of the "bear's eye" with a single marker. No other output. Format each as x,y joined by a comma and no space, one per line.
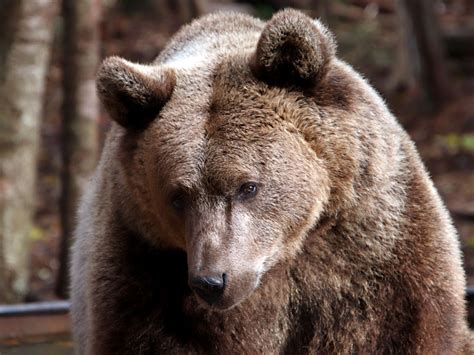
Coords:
178,202
248,190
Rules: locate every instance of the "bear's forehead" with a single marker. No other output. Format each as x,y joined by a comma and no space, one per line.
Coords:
204,134
220,100
190,126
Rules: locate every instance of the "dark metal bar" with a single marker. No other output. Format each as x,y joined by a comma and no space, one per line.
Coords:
35,308
470,293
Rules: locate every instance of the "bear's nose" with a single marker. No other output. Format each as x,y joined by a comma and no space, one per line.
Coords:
209,288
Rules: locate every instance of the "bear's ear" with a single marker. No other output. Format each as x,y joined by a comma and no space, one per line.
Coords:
133,94
293,49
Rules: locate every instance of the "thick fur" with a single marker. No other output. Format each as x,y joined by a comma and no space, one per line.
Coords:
346,248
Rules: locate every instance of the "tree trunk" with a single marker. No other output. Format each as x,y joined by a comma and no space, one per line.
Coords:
323,10
404,72
186,9
80,116
421,21
24,61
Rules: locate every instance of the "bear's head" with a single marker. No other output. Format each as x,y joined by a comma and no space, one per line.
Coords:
215,154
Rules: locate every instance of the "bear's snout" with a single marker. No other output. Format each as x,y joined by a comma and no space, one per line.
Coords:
209,288
222,291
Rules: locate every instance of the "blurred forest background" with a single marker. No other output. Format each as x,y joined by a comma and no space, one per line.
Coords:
418,53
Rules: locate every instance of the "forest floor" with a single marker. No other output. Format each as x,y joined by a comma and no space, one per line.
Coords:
445,139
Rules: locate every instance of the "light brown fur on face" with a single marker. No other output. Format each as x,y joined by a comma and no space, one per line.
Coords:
344,248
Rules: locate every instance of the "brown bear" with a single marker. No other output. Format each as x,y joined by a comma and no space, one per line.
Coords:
256,196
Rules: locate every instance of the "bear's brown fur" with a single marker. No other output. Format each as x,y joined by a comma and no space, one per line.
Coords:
249,151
